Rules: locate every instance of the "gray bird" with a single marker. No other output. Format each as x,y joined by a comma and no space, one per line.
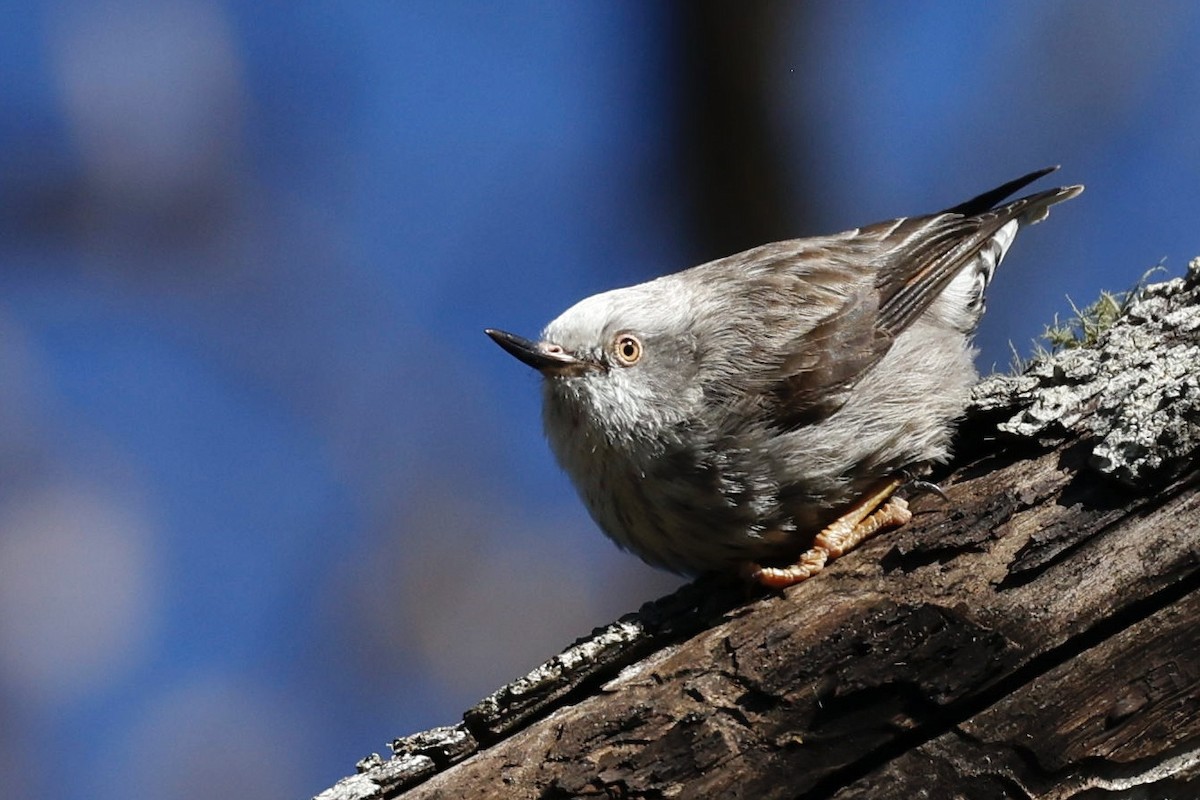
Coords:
755,413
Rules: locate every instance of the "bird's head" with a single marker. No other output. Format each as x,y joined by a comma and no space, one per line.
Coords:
624,359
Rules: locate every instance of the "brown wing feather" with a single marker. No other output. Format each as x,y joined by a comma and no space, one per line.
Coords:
828,359
912,261
911,278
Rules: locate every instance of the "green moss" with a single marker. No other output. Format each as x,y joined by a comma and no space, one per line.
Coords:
1085,325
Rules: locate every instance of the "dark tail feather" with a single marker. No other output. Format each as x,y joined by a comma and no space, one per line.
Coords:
985,201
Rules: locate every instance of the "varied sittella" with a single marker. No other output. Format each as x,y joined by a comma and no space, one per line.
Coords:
756,413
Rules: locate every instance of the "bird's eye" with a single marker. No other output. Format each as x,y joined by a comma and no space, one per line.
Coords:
627,349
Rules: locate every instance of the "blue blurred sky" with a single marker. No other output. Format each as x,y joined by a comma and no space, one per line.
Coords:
269,496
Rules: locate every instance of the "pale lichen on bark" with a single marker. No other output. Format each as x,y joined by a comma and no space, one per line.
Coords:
1135,396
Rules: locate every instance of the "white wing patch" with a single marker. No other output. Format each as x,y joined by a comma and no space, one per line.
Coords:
962,303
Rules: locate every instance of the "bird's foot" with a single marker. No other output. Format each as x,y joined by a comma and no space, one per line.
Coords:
875,512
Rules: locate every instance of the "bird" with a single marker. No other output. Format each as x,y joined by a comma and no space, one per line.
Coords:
756,414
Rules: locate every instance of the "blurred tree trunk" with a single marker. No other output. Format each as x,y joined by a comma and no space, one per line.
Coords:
732,147
1034,637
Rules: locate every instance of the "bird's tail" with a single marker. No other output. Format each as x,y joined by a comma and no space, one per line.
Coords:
966,290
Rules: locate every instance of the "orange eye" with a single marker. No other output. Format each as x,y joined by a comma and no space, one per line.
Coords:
628,349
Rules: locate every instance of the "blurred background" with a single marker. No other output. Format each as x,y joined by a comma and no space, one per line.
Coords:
268,496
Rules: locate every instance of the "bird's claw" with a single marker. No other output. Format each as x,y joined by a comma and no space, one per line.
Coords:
915,485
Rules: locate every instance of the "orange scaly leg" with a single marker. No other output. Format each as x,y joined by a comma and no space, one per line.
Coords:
873,513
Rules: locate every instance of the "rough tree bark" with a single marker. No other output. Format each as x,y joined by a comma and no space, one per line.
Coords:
1032,637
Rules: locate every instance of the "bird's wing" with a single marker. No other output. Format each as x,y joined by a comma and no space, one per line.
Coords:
920,256
874,283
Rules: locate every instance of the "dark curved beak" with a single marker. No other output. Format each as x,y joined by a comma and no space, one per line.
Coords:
542,356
